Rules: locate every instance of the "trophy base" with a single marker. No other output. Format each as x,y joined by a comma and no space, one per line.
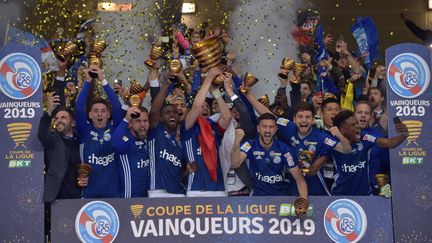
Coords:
218,81
84,170
62,58
301,206
244,89
295,80
283,75
150,64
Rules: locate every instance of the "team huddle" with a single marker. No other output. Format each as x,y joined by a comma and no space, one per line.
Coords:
171,151
206,135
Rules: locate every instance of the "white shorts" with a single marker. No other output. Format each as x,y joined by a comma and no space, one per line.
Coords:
163,193
206,194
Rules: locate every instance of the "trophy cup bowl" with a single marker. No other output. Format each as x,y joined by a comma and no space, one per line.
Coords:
288,63
286,66
156,52
208,53
381,180
135,101
298,70
136,88
68,51
279,111
204,45
248,81
96,52
126,95
218,81
98,47
265,100
175,66
301,206
84,170
96,61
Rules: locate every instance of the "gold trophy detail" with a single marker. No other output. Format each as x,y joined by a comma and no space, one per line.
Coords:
301,206
279,111
135,101
414,131
208,53
95,60
137,210
137,89
381,180
68,51
84,170
299,68
249,81
156,52
175,66
96,52
265,100
19,132
286,66
305,156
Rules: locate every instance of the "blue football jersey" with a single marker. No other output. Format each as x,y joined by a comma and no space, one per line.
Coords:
96,149
352,170
267,168
134,166
200,179
317,144
166,161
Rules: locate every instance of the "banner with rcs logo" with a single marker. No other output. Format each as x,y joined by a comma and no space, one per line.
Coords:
408,98
21,164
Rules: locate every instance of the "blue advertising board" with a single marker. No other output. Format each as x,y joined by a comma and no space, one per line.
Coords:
409,97
227,219
21,155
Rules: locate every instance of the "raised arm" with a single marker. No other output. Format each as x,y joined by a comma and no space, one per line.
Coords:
245,117
43,131
237,156
417,31
157,105
80,106
344,145
181,40
117,111
260,108
300,181
119,144
199,100
226,117
153,81
393,142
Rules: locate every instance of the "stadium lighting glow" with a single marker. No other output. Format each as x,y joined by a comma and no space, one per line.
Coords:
114,7
188,8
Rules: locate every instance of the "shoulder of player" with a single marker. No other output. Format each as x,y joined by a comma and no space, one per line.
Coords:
249,144
326,138
368,136
282,121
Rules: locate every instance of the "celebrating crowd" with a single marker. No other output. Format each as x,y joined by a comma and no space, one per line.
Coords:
206,135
